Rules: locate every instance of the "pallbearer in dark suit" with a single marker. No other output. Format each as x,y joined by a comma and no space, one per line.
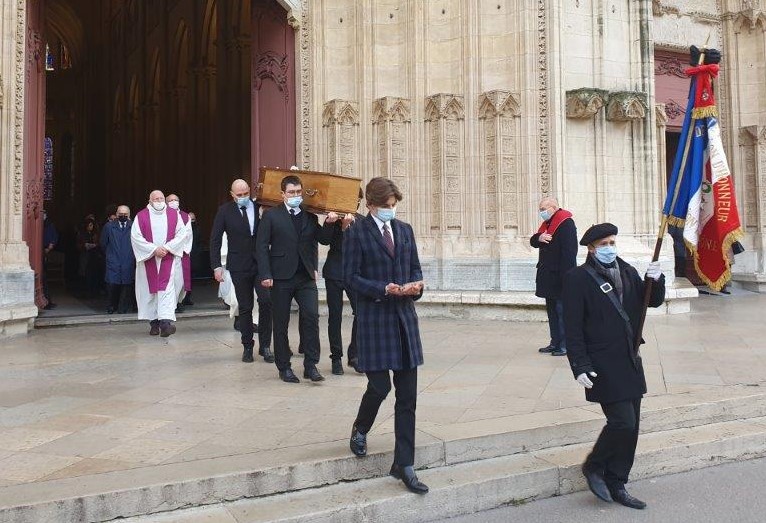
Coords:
603,299
332,272
240,221
287,253
382,268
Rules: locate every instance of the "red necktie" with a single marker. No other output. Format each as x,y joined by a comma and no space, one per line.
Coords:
388,240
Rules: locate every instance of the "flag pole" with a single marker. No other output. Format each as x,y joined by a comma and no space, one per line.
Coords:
649,282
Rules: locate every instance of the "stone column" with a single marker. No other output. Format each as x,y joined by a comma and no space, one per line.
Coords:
750,267
391,123
444,117
17,306
662,170
340,120
503,190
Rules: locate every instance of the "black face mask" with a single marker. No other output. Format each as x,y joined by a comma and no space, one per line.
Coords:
123,219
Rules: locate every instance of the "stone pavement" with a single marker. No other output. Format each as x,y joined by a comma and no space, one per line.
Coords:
83,401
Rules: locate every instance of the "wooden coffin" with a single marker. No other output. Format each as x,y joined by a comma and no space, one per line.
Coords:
322,192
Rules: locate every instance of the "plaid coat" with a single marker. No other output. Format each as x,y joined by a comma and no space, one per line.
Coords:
367,269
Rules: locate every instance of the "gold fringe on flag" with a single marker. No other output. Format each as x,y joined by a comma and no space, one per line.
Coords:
710,111
728,240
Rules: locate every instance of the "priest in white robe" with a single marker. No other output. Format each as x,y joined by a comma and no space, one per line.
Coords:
158,238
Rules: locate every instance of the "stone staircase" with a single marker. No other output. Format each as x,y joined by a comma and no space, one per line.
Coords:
470,467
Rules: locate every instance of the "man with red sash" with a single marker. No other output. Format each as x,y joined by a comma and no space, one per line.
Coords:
174,203
158,238
557,241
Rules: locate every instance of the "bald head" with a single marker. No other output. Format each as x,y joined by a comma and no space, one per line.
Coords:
240,189
123,210
156,196
549,201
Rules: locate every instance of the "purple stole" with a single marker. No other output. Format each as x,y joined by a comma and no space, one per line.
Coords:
186,259
158,279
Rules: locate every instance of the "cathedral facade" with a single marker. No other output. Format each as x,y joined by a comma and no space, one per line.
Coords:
475,108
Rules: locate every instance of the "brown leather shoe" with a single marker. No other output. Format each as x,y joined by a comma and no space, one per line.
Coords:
154,328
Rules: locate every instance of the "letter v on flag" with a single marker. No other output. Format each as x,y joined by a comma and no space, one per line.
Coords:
701,196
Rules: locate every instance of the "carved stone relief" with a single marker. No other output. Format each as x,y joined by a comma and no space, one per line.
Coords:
499,111
391,121
18,124
751,141
273,66
305,85
444,113
660,115
752,14
544,163
625,106
585,102
340,119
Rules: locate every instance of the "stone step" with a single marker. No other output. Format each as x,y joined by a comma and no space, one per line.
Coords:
179,485
486,484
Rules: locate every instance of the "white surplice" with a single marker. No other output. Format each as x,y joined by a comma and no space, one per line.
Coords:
160,305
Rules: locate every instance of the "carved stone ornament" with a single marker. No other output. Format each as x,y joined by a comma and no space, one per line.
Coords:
626,106
674,109
660,115
446,106
752,14
585,102
499,103
659,8
669,66
752,135
391,109
273,66
341,112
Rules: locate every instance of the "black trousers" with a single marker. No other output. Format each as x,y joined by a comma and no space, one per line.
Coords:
244,284
335,289
555,309
615,447
119,297
303,289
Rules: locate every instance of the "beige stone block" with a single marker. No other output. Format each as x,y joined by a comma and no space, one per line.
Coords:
144,450
28,466
20,438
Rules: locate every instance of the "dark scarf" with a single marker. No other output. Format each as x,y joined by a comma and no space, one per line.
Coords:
610,272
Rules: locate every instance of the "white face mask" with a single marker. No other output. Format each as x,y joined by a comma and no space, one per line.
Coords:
174,204
158,206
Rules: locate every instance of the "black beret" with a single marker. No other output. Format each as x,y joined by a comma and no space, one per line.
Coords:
598,231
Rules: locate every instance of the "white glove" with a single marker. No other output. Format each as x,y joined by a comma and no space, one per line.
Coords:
654,271
585,381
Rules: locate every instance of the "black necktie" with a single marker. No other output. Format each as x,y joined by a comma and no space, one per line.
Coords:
296,221
244,216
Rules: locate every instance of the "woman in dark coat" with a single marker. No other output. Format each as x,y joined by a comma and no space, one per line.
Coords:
382,269
603,299
91,258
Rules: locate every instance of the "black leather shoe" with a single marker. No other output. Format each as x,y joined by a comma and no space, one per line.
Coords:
312,373
408,477
596,484
154,328
288,376
358,443
337,367
110,310
622,497
247,355
268,357
167,328
549,348
559,352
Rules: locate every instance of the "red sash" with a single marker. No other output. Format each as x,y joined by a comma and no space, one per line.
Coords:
158,279
557,219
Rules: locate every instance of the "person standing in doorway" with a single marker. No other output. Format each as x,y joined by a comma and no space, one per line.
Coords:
120,261
556,240
603,302
382,268
239,219
174,203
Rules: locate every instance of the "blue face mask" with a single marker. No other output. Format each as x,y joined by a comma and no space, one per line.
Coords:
606,254
244,201
545,216
386,215
294,201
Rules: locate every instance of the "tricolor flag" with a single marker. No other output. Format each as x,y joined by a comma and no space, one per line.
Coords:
701,193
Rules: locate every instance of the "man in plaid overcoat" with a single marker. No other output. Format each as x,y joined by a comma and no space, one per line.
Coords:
382,269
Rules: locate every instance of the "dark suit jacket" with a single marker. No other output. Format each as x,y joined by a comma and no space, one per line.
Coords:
241,256
597,337
280,248
333,264
367,269
556,259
